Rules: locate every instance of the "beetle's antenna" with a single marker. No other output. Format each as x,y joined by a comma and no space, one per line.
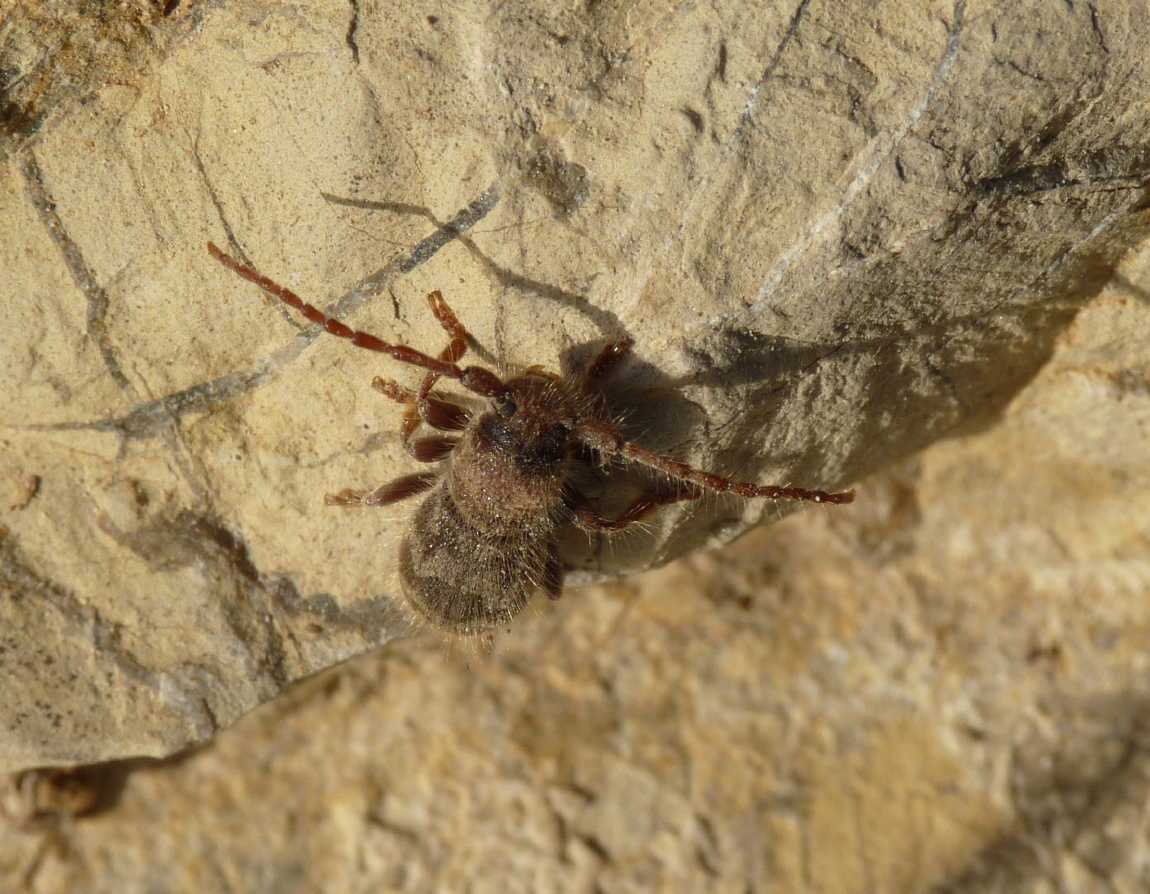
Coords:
473,378
608,442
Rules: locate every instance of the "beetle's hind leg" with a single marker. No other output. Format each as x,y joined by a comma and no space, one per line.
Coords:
590,520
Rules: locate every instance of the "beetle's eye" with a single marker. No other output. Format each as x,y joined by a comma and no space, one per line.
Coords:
506,406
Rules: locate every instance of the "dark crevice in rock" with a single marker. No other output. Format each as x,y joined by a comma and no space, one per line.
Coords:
1096,26
188,538
82,275
352,29
375,619
1113,168
255,605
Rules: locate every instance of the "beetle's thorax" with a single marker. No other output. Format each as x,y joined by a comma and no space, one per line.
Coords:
506,474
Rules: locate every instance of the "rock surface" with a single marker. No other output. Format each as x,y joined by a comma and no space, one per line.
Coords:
837,234
942,688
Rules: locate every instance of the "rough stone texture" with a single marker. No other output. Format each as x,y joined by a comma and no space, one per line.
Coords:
942,688
837,233
56,53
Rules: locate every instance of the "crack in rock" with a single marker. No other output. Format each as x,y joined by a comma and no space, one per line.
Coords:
81,273
151,417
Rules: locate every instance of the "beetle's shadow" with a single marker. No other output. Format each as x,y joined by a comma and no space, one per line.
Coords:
814,414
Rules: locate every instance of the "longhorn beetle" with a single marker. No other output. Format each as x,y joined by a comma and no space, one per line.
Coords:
484,538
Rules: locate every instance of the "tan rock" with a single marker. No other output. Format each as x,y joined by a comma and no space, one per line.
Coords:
941,688
837,235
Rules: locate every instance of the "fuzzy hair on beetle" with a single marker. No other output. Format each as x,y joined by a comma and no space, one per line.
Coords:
500,485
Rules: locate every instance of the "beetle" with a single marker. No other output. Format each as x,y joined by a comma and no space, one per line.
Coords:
483,540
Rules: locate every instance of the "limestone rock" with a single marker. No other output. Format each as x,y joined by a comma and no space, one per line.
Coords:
836,233
941,688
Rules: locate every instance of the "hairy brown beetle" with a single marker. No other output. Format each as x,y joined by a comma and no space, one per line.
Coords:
484,538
